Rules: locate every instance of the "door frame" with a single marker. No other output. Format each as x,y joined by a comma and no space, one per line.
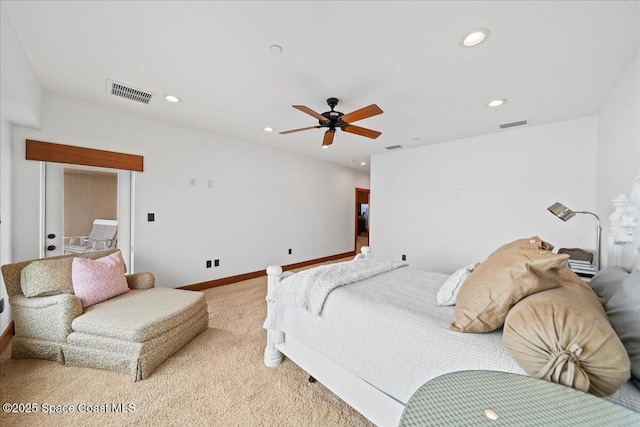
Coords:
355,216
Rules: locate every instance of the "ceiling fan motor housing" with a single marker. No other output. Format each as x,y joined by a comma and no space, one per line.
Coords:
333,117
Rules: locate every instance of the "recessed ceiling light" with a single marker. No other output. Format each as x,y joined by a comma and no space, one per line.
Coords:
275,49
325,146
363,163
172,98
268,129
475,37
496,102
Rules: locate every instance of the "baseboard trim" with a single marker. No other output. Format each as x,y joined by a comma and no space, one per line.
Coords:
6,336
316,261
254,274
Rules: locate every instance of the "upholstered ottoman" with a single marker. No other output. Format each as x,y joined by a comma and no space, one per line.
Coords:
135,332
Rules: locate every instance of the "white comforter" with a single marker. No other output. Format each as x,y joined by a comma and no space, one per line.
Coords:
388,331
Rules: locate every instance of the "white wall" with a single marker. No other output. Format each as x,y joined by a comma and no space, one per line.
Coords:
451,204
20,102
619,142
263,201
5,214
21,93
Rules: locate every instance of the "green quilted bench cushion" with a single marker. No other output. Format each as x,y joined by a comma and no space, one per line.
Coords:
140,315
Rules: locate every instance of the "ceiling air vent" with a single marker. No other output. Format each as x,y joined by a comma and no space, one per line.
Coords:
512,124
393,147
128,92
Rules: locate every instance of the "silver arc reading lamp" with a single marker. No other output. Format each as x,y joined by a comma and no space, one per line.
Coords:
565,214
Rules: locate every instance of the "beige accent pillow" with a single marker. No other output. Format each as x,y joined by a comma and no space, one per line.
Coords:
563,335
512,272
47,277
534,242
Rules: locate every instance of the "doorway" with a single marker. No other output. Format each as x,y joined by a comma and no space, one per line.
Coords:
362,229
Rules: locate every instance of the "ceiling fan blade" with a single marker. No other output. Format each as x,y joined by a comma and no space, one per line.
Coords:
298,130
310,112
363,113
328,137
373,134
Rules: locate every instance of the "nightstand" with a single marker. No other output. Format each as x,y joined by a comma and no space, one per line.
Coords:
492,398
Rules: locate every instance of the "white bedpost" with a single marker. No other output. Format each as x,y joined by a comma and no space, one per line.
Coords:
365,253
272,356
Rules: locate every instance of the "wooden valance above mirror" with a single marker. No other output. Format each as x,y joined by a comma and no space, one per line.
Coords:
60,153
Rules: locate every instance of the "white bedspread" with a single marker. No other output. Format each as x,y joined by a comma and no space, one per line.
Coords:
389,331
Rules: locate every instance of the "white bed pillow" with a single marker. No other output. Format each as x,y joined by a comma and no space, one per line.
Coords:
449,289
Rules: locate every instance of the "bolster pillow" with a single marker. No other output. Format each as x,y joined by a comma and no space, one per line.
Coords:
509,274
563,335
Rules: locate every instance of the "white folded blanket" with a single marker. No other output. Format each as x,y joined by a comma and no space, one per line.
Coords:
309,288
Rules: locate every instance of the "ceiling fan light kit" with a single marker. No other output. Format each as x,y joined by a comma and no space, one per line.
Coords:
337,120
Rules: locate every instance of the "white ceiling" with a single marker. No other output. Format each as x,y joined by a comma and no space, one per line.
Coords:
553,61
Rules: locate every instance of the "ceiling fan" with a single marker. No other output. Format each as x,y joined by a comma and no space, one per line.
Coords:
335,119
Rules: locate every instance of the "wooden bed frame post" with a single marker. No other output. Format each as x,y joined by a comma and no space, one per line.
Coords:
272,356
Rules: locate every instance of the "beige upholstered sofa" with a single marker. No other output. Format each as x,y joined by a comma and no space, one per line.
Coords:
133,332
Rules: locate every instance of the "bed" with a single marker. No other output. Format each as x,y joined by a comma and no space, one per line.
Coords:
397,339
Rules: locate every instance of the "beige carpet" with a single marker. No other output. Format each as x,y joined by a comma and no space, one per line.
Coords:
216,380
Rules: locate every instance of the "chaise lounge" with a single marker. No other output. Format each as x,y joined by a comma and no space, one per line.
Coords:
133,332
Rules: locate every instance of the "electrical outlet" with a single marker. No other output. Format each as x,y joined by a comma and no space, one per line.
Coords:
404,257
193,182
289,251
208,263
216,263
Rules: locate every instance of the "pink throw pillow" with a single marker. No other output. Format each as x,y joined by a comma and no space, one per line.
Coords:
98,280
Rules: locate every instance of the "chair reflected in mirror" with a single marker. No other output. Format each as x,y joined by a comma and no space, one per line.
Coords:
103,236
